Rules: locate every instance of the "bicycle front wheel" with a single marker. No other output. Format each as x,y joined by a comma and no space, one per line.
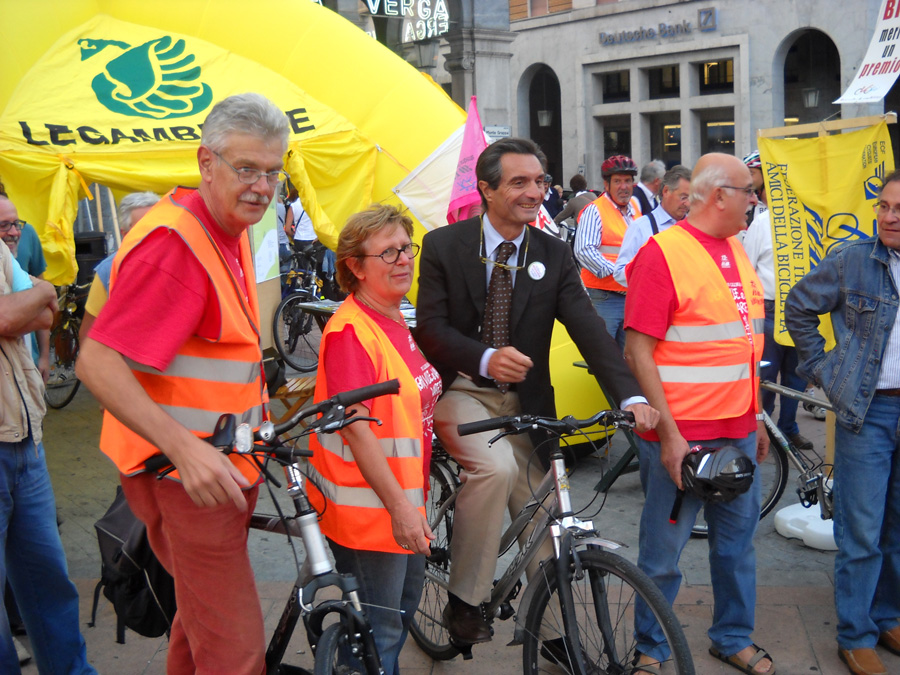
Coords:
62,385
772,473
296,334
427,627
603,608
332,650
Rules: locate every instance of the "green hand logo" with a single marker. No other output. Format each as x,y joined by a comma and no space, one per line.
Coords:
155,79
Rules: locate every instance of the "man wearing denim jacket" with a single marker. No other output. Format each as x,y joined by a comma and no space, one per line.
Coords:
857,284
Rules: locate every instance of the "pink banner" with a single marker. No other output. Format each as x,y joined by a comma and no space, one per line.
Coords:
464,198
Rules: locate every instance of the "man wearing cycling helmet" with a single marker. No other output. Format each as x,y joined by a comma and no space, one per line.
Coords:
857,284
601,229
694,319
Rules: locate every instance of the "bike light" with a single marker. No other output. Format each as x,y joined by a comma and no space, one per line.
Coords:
243,438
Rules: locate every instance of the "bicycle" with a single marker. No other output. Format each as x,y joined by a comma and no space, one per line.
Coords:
576,614
813,487
351,633
295,331
62,384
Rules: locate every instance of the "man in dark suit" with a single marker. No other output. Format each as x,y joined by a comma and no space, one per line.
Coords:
483,380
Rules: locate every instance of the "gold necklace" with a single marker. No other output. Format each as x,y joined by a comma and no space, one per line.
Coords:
402,322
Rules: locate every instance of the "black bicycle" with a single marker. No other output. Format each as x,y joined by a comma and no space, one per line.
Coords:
62,385
335,628
295,331
577,614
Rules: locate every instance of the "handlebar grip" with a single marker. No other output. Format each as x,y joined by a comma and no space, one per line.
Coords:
348,398
483,425
157,462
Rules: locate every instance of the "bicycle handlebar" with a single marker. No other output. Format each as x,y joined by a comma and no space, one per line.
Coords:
332,411
518,424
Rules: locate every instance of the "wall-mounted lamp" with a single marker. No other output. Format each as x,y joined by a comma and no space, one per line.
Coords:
545,118
810,98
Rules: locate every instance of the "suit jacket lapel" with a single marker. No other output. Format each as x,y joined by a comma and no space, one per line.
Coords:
524,283
472,268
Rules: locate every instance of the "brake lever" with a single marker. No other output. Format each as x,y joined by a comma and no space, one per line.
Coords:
337,425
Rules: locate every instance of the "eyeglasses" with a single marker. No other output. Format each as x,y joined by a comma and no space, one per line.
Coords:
19,224
746,190
502,266
883,208
392,255
249,176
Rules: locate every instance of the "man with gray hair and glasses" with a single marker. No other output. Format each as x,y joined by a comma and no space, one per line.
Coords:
674,205
176,346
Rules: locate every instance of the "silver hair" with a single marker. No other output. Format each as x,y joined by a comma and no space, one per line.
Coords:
712,176
135,200
675,175
248,113
652,170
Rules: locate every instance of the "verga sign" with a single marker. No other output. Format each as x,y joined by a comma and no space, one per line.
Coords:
422,19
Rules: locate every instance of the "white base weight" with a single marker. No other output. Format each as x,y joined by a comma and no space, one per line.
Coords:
798,522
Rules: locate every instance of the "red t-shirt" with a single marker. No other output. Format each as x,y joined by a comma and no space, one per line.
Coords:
349,367
163,294
650,304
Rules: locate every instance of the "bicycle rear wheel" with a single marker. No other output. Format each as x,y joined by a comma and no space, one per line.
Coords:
297,334
427,627
603,600
773,474
62,385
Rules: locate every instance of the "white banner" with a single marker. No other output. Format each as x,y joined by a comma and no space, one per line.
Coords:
879,69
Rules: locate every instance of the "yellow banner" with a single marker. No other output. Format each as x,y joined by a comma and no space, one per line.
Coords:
820,193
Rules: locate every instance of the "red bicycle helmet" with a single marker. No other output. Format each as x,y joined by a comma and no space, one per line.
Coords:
618,164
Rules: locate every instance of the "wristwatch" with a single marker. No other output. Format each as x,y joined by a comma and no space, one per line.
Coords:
760,417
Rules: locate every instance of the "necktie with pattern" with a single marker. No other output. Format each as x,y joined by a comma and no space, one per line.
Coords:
495,331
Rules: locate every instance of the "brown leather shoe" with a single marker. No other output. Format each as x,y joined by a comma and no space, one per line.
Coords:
890,640
863,661
466,623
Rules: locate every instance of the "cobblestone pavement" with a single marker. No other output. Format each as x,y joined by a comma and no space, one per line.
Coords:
795,610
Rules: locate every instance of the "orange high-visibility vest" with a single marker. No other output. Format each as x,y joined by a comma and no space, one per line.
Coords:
207,378
612,232
708,368
354,516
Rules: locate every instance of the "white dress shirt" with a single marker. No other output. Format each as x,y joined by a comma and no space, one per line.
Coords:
637,234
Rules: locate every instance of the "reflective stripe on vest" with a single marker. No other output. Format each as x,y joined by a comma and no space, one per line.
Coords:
207,378
706,364
612,231
352,513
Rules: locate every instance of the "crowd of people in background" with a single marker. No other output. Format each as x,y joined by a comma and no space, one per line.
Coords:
666,288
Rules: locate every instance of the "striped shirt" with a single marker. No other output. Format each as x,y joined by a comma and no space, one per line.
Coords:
889,377
588,236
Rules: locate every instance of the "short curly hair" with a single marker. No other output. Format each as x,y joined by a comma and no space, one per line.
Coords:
359,228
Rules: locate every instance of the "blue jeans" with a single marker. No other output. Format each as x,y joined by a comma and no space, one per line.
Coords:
390,585
611,308
783,360
33,560
867,525
732,558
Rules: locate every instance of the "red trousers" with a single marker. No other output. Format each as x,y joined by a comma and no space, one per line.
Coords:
218,627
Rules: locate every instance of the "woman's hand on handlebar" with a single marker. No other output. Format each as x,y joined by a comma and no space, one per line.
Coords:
645,416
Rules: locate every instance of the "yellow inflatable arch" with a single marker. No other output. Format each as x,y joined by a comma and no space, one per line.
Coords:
115,91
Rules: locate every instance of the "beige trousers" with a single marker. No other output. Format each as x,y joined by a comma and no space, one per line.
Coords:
495,478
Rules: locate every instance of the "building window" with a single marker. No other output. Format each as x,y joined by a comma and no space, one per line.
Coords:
522,9
616,136
717,77
616,87
717,130
663,82
665,137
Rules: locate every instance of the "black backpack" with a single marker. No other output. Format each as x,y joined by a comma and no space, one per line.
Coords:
131,577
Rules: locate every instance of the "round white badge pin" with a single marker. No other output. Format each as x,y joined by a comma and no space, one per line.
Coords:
536,270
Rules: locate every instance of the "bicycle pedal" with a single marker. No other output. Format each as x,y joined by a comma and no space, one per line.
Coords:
465,649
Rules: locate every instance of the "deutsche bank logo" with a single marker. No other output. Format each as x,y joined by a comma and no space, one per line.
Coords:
707,19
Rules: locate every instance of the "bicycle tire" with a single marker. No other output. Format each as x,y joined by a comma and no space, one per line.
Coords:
296,334
774,474
427,627
620,582
328,648
62,384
